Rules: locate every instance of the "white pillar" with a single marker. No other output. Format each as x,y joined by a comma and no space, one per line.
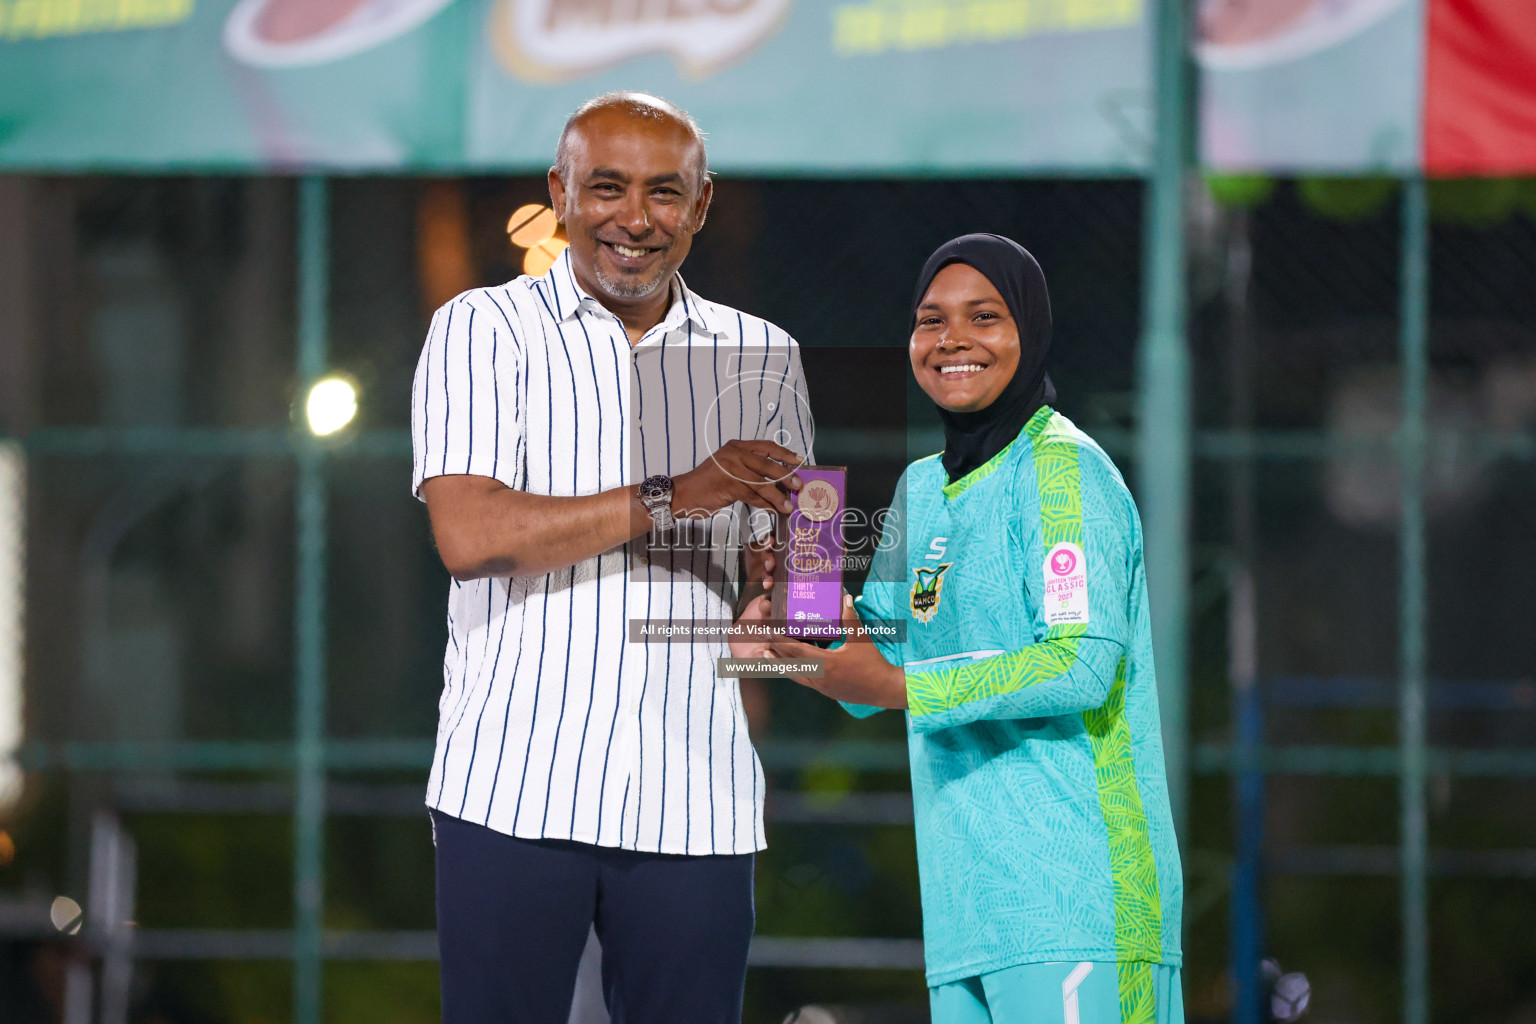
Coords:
13,596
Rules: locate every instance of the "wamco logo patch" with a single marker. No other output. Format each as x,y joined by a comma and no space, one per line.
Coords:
549,40
926,591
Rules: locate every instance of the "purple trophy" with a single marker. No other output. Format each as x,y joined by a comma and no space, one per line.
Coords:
808,561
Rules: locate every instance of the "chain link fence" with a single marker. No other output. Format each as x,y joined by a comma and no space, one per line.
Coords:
160,574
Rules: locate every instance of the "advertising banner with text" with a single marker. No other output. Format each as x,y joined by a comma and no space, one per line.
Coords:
782,86
837,86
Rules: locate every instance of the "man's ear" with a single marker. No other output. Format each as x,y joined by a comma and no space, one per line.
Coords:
557,195
701,205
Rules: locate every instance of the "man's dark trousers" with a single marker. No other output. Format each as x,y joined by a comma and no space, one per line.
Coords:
513,916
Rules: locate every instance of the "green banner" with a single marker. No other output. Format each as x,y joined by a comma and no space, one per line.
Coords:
781,86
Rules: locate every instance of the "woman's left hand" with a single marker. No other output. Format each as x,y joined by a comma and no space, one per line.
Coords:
856,672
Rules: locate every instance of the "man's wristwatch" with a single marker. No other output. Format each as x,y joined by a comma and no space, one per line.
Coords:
656,496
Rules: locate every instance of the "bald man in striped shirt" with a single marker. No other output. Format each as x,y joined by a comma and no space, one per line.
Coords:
588,443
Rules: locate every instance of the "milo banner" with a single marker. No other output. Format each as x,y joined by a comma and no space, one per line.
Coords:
460,85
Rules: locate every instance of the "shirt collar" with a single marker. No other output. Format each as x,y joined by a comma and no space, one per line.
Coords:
571,299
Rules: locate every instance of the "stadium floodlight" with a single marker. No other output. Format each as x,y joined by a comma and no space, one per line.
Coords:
532,225
1289,994
66,915
331,405
13,480
535,227
541,257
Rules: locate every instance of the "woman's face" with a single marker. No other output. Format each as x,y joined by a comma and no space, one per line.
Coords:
965,346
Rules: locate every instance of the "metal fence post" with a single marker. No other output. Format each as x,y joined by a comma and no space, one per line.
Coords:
1414,340
309,616
1248,783
1163,432
110,913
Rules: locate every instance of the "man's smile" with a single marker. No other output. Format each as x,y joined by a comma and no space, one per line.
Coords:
630,255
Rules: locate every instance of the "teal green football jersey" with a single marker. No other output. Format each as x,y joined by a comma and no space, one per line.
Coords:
1041,801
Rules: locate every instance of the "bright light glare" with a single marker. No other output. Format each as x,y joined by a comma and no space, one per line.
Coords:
66,915
532,225
13,481
331,406
542,256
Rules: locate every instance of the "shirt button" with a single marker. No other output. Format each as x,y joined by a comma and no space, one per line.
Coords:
634,709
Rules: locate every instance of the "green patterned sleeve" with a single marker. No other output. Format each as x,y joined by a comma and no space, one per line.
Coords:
867,605
1059,676
1081,593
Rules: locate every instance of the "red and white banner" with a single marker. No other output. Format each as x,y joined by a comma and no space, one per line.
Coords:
1480,88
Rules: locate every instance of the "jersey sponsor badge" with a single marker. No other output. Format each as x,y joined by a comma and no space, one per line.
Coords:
925,592
1066,586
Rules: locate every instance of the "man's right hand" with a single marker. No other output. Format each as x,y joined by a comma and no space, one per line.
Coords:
759,473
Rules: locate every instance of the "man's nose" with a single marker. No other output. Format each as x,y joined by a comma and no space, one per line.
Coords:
635,217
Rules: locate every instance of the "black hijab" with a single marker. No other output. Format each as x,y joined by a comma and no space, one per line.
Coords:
971,438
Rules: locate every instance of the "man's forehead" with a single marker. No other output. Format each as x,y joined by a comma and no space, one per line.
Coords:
606,134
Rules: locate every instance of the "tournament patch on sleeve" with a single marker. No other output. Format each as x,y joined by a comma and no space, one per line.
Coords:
1066,586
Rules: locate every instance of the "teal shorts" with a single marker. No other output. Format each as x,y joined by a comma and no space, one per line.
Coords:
1089,992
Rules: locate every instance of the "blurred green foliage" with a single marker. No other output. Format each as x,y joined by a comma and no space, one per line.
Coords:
1351,200
1465,202
1242,190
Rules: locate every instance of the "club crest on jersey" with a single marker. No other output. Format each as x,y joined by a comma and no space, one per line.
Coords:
925,592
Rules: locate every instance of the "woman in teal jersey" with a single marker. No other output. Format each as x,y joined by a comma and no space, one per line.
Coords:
1050,877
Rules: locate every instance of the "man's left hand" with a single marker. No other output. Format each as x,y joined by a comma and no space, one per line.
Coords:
856,672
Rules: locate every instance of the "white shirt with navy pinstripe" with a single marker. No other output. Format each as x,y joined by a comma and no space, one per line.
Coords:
552,724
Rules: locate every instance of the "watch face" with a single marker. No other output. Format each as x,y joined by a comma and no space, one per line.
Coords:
655,486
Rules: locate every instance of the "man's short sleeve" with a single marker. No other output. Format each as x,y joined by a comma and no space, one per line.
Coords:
466,399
